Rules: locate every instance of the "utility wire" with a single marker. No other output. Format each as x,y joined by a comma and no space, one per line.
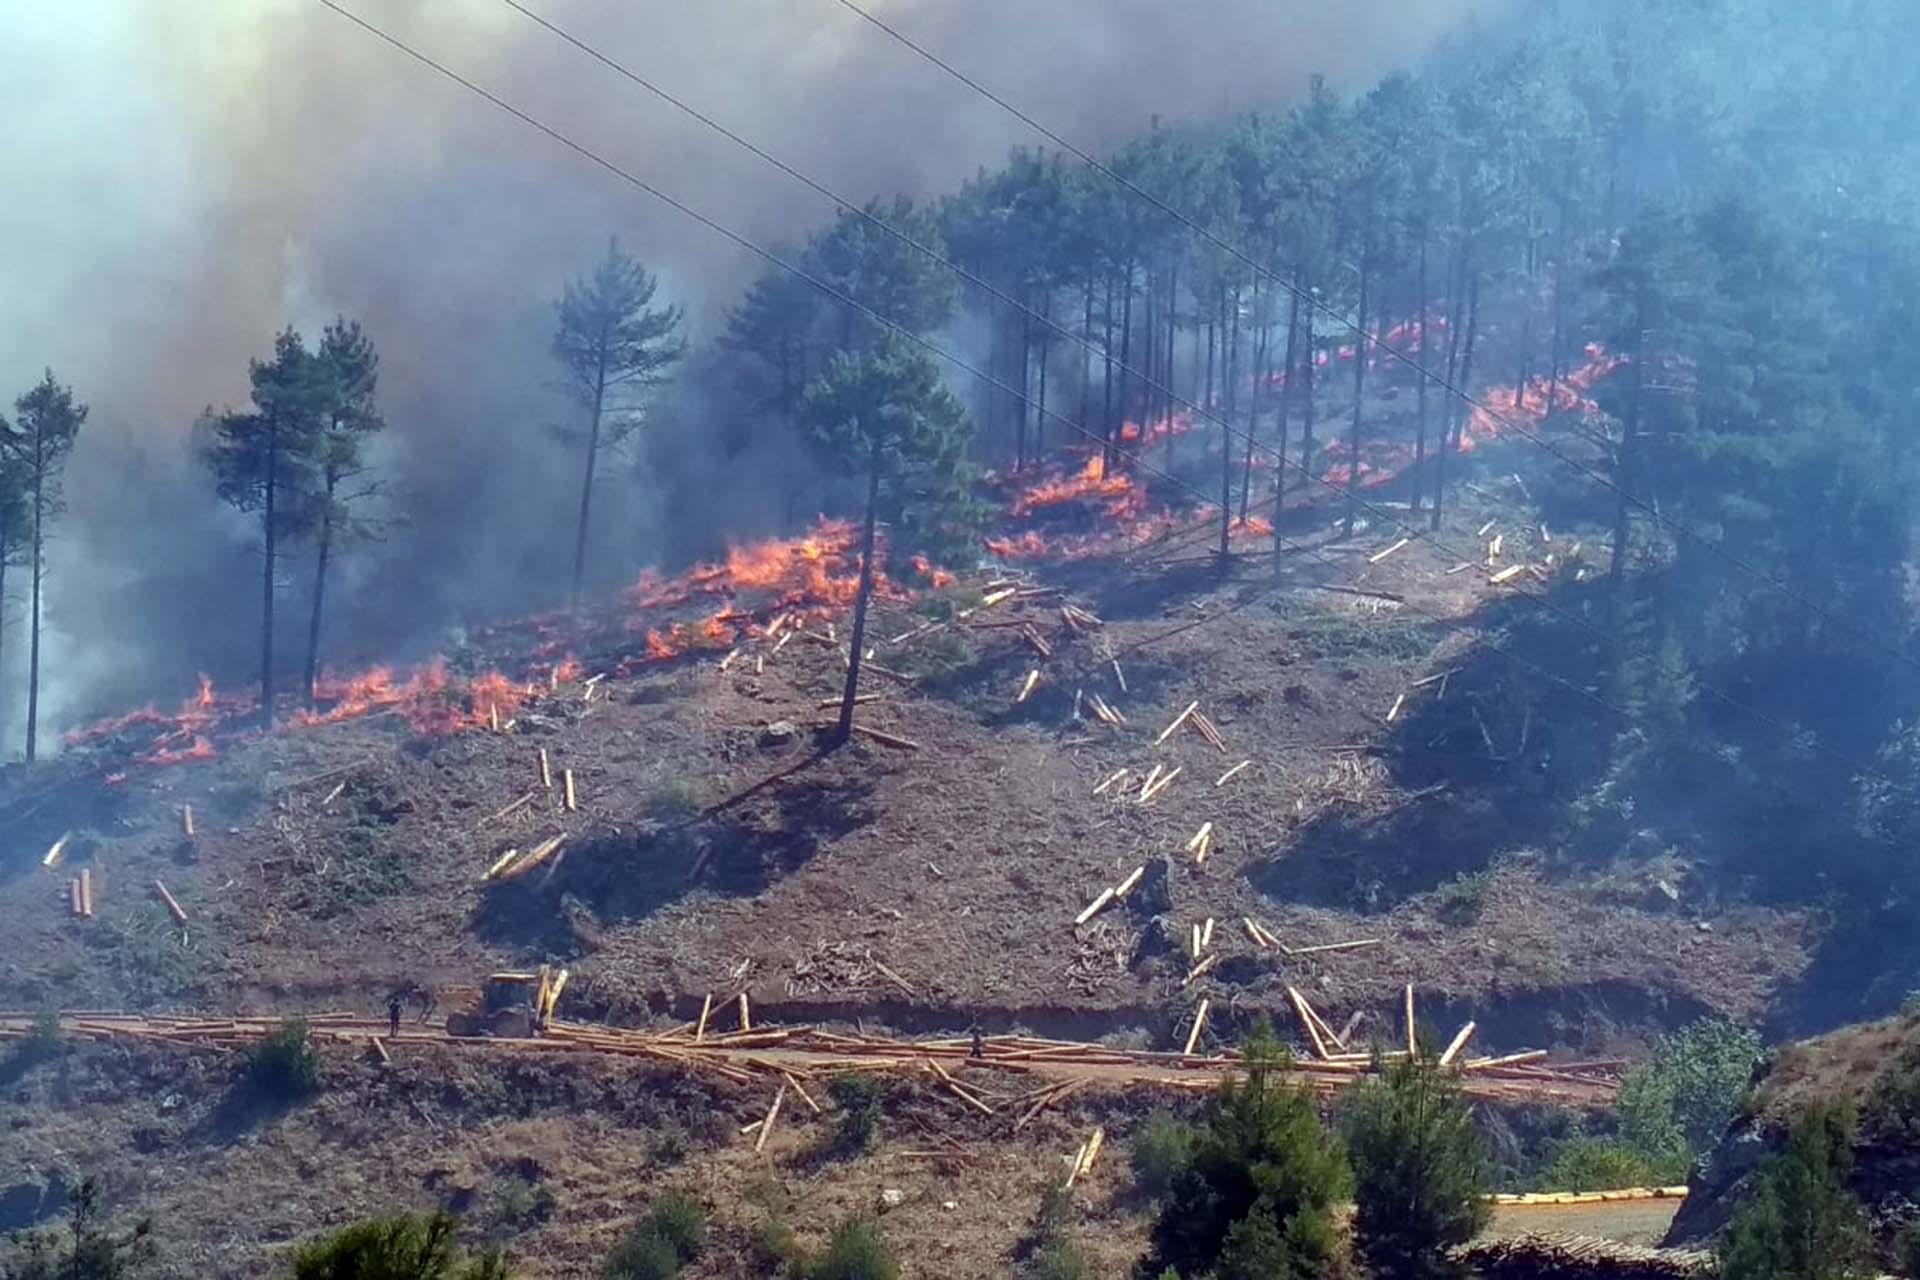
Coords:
774,259
1228,430
934,349
1645,508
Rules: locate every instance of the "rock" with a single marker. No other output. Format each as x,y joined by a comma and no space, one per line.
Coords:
949,1205
891,1198
1153,896
779,733
1703,926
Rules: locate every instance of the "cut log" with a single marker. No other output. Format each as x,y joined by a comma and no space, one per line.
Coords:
1195,973
1026,690
1393,712
498,814
1413,1031
1036,641
1510,1060
500,864
1148,793
1320,1048
1253,931
1199,1022
1125,887
380,1050
173,904
1117,775
86,893
828,704
1486,528
773,1112
1089,1152
1334,946
1177,722
186,820
1094,908
1230,774
546,770
1459,1042
1199,838
706,1008
1153,776
73,896
325,800
888,739
535,856
1206,934
1378,556
573,803
1506,575
746,1018
57,852
1209,730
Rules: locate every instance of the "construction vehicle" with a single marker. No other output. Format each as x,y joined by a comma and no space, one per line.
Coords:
510,1005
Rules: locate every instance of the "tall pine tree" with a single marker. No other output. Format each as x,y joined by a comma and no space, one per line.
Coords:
46,422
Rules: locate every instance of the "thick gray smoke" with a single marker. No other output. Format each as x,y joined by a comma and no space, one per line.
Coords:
185,177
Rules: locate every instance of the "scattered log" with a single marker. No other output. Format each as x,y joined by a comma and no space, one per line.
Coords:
898,677
1193,940
1209,730
1307,1020
1118,774
1125,887
1230,774
828,704
1089,1152
1177,722
706,1008
746,1018
1036,641
1206,934
1094,908
794,1084
1334,946
1493,548
573,803
987,601
86,893
1253,931
773,1112
58,851
1026,690
1509,1060
1462,567
1148,793
1357,591
1378,556
891,740
1413,1031
1198,970
186,820
1506,575
546,770
1198,841
1486,528
1119,676
894,978
173,904
500,864
535,856
380,1050
1393,712
1459,1042
494,817
1199,1022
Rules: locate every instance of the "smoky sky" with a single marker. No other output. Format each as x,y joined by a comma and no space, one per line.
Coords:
183,178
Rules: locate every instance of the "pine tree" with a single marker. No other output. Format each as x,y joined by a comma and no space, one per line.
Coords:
405,1247
1255,1201
347,369
617,348
1800,1221
1420,1170
263,461
46,421
16,540
886,413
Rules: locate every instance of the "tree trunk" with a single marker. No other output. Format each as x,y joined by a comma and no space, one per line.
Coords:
1262,353
1420,427
320,586
1106,385
1226,429
1306,394
1026,386
1086,362
1464,410
1623,480
5,552
586,481
844,729
1458,301
1359,393
1123,400
1046,347
270,536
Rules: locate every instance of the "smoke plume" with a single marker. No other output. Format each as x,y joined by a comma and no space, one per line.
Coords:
187,177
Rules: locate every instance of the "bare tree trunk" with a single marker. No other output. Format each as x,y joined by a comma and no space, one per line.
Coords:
1122,401
1106,385
1173,334
1464,409
1457,294
1420,428
1359,394
271,537
1306,394
1623,480
1226,428
586,481
320,586
844,729
1046,347
1086,380
1262,354
1026,386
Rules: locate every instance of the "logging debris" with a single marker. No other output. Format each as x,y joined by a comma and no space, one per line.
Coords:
573,802
1378,556
173,904
1177,722
888,739
1229,775
58,851
1199,1022
186,820
1026,690
1506,575
1149,792
1113,778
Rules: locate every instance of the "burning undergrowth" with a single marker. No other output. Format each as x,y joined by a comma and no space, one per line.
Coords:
1079,504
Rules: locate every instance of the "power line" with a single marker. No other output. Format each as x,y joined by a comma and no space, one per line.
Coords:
907,334
1645,508
1228,430
940,353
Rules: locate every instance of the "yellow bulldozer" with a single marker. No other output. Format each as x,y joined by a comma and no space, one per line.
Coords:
510,1005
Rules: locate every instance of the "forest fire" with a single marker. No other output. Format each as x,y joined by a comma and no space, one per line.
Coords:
1118,496
1572,392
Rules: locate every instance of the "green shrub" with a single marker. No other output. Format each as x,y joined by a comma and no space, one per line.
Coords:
286,1065
776,1248
1674,1107
857,1252
1260,1187
1462,899
404,1247
1059,1260
677,1218
86,1251
1596,1164
643,1256
1799,1221
1891,1113
672,798
859,1098
1161,1152
1420,1170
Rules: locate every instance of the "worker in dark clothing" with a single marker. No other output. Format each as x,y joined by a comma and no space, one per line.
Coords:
393,1015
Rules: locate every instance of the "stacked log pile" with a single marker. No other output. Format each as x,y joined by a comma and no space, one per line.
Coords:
786,1054
1560,1257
